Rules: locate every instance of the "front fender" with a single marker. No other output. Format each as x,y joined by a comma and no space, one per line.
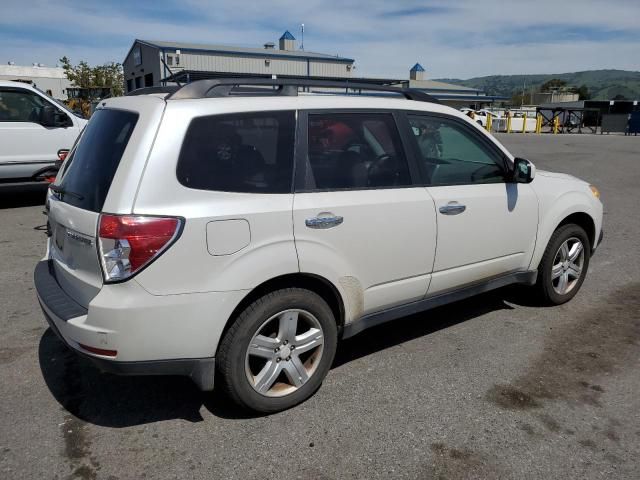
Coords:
557,208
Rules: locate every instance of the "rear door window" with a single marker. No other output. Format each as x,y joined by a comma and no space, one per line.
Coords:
246,152
93,164
354,151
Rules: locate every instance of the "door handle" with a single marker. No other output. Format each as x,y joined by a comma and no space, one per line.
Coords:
323,221
452,208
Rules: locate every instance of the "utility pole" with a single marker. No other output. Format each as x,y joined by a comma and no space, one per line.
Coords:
302,37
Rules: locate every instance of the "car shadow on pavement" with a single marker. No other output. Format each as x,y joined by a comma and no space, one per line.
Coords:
116,401
22,196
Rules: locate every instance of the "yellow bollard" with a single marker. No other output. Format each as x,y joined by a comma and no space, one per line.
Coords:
509,124
524,123
539,123
556,124
489,121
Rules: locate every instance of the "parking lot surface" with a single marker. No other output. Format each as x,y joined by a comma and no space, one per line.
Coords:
492,387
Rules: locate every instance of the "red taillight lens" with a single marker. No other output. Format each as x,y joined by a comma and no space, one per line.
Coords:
99,351
62,154
129,242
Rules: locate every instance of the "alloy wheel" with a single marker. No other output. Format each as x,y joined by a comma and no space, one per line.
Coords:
567,266
284,353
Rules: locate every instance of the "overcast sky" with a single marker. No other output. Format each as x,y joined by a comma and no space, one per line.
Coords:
461,39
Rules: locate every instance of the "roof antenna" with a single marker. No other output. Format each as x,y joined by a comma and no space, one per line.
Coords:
302,37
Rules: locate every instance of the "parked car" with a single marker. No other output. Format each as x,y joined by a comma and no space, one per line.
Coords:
36,132
244,232
480,116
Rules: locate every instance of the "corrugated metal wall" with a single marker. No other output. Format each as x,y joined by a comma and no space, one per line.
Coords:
275,66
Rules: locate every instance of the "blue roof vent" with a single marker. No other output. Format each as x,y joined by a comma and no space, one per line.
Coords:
417,68
287,36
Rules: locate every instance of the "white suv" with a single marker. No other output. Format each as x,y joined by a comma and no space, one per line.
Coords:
227,228
36,132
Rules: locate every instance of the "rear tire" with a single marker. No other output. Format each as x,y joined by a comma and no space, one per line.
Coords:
564,265
278,350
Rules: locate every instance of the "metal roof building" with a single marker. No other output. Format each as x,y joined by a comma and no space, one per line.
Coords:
151,62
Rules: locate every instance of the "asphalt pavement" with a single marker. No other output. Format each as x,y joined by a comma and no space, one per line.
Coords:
492,387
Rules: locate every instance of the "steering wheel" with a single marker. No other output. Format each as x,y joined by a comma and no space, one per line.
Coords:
484,172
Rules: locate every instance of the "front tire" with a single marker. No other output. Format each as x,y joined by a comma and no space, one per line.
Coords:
564,265
278,350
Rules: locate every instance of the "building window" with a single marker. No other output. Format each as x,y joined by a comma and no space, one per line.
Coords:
148,80
129,84
169,60
137,56
348,68
138,82
267,62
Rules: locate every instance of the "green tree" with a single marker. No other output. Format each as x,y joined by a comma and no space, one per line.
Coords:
106,75
583,92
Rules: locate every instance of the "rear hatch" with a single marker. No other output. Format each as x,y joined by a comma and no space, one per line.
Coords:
111,151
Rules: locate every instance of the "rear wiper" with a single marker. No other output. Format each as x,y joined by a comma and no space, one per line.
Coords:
62,191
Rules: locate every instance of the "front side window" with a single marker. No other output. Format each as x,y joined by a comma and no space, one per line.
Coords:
354,151
246,152
452,155
18,105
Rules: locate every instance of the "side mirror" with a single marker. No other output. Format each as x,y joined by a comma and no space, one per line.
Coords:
523,171
48,116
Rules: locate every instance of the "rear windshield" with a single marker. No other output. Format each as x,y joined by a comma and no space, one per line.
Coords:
90,170
247,152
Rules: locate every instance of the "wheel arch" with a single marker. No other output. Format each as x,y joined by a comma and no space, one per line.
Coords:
578,217
309,281
584,220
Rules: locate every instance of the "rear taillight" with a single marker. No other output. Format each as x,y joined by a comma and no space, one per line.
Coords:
62,154
128,243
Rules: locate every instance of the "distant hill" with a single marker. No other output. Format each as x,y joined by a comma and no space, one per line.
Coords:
602,84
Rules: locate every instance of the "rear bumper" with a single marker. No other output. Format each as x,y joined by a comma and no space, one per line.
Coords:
200,370
131,332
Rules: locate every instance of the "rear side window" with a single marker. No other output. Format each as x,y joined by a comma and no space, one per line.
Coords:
90,170
247,152
355,151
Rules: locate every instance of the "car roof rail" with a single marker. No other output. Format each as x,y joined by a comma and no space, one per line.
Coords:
149,90
225,87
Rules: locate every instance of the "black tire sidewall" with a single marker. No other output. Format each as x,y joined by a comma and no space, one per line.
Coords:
236,342
550,296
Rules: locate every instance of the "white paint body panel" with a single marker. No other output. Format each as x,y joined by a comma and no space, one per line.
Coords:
386,242
495,234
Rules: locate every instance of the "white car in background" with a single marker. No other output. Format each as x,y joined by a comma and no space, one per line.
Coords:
480,116
244,231
35,133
